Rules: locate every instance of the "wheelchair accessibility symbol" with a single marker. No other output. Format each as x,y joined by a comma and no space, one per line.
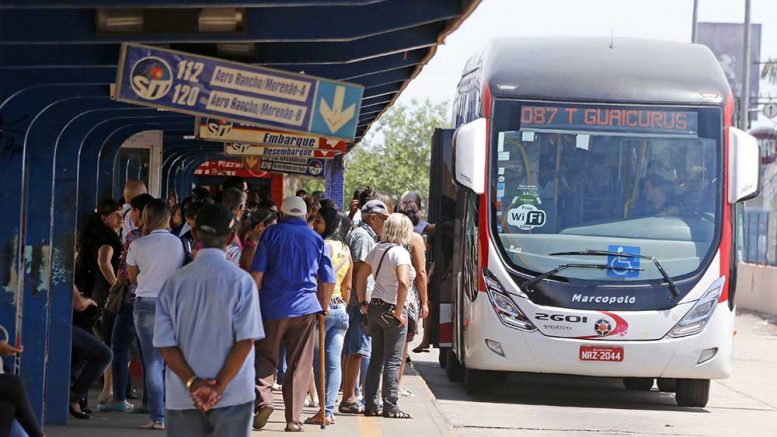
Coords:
623,266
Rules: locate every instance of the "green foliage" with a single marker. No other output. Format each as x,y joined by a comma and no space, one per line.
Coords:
312,184
395,156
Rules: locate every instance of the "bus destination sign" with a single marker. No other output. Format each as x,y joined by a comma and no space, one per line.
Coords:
625,119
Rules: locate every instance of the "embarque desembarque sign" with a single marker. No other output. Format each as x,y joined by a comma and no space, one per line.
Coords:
210,87
232,132
235,149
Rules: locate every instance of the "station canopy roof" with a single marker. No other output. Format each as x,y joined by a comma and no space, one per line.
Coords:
381,44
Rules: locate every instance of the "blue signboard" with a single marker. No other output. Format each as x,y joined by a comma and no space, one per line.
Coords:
200,85
610,118
621,265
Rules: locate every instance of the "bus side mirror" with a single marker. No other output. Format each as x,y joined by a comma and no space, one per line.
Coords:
744,163
469,152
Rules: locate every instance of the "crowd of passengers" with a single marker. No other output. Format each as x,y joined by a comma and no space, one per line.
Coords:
220,299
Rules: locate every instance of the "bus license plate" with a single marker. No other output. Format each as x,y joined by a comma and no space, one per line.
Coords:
601,353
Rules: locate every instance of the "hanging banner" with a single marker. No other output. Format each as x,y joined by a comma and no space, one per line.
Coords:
232,132
210,87
276,152
312,167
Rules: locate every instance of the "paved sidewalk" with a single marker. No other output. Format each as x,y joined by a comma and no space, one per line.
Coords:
427,420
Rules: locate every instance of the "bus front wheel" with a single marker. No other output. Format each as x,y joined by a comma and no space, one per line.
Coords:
453,367
692,392
477,382
442,357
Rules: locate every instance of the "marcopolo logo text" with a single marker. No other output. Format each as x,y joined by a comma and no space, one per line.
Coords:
581,298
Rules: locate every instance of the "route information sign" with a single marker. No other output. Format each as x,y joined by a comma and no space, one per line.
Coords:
210,87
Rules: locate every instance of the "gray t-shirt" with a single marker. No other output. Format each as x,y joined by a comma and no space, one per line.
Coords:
361,240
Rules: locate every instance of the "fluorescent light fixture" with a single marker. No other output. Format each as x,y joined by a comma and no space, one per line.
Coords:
119,20
220,20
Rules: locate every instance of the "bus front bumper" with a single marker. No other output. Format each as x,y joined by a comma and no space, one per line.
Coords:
686,357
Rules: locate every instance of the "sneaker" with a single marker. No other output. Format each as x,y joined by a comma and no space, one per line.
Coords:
119,406
310,403
405,392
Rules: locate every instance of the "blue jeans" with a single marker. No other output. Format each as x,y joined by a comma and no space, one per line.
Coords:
145,311
92,356
335,326
234,421
121,340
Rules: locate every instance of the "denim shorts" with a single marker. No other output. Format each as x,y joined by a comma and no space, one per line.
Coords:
356,339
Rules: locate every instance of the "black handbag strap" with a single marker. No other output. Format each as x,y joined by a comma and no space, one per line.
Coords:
380,264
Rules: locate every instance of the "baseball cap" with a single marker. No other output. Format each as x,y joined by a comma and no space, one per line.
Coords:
214,220
294,206
375,207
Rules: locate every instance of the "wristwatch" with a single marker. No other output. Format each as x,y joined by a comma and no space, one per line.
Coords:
364,303
189,383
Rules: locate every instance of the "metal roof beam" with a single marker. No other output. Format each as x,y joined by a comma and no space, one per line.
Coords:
267,54
262,25
44,4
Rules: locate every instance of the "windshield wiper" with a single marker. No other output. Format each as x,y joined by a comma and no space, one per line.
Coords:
590,252
528,285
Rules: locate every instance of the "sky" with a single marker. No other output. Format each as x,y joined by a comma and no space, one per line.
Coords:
655,19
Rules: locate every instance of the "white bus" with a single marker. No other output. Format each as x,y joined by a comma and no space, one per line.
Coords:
586,215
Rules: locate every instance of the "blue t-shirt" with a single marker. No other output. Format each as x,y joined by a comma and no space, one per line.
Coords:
293,258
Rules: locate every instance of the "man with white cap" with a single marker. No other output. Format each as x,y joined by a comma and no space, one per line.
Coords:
295,279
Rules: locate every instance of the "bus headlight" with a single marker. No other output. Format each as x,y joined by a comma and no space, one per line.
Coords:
507,311
701,312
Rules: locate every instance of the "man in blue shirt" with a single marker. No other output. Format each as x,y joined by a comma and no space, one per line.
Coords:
295,279
207,320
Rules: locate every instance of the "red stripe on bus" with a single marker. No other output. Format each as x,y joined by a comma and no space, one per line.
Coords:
726,240
446,333
483,215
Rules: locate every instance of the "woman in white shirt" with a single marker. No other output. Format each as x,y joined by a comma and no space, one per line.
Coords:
152,260
389,263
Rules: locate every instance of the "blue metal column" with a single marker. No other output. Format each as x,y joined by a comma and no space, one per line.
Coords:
334,172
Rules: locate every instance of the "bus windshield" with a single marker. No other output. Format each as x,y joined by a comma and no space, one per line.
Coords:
639,181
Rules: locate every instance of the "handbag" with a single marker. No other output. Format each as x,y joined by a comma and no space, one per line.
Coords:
116,295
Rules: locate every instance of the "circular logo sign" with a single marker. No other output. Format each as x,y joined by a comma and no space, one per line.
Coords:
602,327
151,78
315,167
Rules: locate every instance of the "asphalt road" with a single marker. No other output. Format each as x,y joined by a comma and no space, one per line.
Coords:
549,406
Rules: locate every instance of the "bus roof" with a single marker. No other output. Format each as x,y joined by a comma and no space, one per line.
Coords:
601,69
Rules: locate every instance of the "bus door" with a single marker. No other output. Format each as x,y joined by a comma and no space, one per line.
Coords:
442,213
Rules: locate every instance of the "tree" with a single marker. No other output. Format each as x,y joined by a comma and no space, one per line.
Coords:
396,155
